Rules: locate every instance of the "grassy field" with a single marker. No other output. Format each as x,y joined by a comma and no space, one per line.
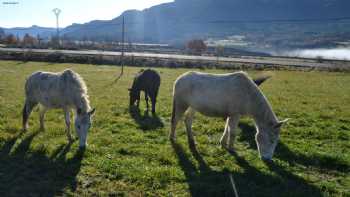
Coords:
129,153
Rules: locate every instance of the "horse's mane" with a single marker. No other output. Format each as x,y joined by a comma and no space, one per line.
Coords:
76,88
262,103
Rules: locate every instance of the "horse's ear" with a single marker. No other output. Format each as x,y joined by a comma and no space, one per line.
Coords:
280,123
92,112
129,89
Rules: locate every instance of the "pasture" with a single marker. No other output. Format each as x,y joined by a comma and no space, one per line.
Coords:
129,153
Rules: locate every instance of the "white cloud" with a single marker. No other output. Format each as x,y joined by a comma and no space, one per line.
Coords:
336,53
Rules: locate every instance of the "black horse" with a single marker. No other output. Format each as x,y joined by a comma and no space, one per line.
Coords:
148,81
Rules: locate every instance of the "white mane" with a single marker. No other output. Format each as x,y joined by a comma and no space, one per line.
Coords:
75,88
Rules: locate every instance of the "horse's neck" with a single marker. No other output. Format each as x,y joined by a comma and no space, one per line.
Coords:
83,104
262,111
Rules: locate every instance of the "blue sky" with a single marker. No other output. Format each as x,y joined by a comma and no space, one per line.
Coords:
39,12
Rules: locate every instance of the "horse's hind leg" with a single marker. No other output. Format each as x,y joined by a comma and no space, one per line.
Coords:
232,129
154,101
188,122
178,110
27,109
43,110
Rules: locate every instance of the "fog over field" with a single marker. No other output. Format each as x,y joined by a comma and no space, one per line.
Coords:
336,53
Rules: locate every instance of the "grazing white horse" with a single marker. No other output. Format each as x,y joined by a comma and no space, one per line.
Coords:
230,96
65,90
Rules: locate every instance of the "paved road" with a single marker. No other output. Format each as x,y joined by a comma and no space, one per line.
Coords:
246,59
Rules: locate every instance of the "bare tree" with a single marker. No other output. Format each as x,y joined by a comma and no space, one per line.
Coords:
11,40
29,41
39,40
2,34
196,46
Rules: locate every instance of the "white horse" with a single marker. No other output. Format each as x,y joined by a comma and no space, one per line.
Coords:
230,96
64,90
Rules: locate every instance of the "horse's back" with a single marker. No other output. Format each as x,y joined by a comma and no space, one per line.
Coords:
39,80
147,80
208,81
152,76
214,94
44,88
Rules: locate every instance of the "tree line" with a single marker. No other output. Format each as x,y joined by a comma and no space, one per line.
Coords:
193,47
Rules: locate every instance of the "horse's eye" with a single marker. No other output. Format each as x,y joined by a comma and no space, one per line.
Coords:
78,126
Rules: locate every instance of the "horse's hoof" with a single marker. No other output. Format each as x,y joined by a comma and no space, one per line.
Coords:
223,145
71,139
192,145
82,148
172,138
230,149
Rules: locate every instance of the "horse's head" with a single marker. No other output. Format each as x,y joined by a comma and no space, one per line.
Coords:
267,138
134,96
82,125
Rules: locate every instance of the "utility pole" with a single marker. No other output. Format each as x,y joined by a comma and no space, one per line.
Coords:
122,54
123,36
57,13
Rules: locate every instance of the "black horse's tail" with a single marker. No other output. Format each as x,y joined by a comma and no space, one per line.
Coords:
260,80
25,115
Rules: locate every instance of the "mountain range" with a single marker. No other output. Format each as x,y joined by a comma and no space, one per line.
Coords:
181,20
185,19
33,30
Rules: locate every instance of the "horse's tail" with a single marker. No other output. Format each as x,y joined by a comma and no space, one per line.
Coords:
27,109
24,116
173,113
260,80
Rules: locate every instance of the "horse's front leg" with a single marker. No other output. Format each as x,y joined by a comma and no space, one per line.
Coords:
43,110
67,120
146,98
232,129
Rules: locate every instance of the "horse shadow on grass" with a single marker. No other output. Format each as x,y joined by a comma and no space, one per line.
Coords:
28,172
145,121
250,181
282,152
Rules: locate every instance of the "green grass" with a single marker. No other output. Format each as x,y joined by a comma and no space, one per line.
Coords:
130,155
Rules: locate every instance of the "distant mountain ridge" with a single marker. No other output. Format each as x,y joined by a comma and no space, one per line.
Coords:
184,19
34,30
181,20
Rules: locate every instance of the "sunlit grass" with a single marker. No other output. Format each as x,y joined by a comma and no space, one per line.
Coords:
133,156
